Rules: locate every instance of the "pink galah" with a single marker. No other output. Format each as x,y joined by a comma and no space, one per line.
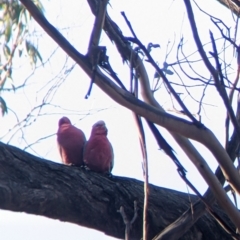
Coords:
98,152
71,141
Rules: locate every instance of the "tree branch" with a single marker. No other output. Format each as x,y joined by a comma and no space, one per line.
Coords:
41,187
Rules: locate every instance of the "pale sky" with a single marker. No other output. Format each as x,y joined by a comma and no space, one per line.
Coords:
153,21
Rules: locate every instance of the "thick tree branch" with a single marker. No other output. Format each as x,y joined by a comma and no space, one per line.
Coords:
37,186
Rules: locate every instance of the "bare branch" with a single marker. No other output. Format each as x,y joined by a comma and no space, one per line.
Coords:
128,223
160,72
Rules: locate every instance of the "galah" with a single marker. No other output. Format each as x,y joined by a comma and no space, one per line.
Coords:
98,152
71,141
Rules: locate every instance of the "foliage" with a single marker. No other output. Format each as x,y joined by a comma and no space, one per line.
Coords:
15,38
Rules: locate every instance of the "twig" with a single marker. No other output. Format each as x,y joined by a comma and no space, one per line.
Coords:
160,72
128,223
219,83
222,223
230,97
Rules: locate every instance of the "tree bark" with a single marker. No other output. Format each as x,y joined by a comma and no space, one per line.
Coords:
67,193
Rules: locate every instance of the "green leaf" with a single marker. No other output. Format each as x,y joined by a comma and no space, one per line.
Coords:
39,55
6,51
3,106
16,12
33,52
3,6
8,29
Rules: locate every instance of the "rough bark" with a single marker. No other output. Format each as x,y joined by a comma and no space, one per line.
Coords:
37,186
